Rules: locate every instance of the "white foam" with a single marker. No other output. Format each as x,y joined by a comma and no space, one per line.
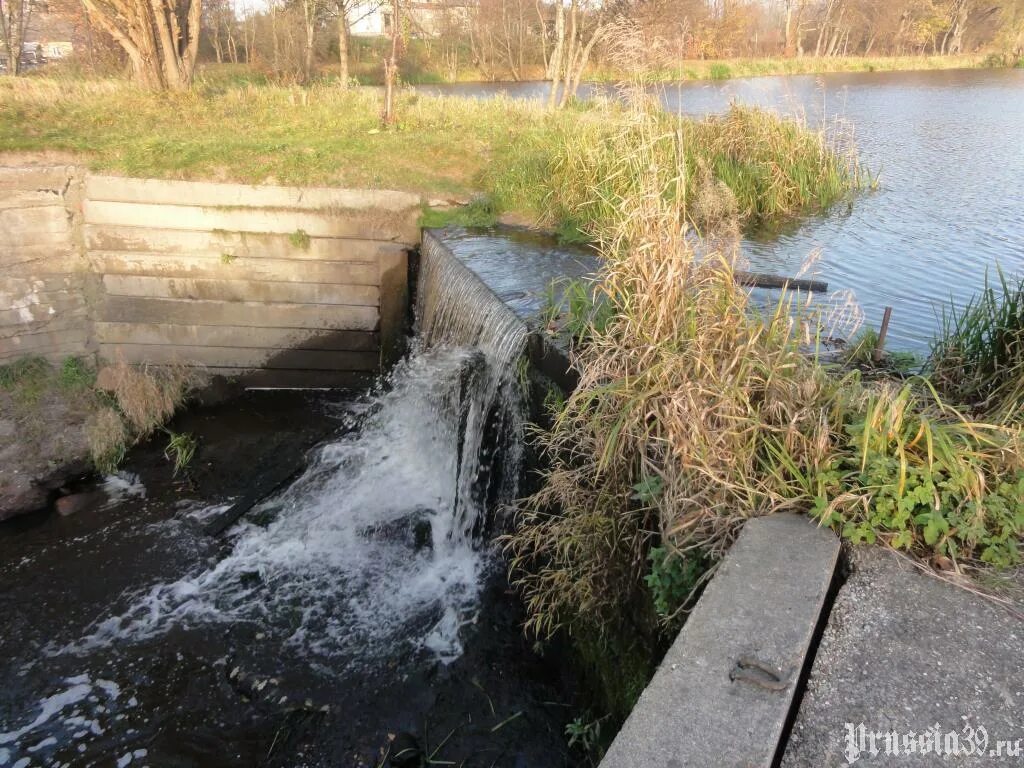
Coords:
123,485
49,707
326,563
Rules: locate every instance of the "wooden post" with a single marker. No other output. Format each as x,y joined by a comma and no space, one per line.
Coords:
876,356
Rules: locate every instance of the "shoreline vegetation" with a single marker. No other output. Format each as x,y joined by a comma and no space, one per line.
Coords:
696,411
423,72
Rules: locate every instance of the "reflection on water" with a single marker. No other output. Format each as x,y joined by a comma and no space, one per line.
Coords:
950,150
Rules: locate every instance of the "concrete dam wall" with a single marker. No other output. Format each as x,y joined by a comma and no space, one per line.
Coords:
308,286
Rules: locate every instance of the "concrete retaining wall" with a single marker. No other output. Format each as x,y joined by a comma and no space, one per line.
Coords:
308,283
44,276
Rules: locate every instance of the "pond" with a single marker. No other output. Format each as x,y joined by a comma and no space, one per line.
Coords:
949,148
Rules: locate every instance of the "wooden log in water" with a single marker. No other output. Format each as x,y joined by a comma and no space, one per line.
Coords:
759,280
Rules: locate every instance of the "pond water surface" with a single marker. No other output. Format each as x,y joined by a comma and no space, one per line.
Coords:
949,148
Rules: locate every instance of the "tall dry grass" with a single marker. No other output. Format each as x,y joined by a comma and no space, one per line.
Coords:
695,411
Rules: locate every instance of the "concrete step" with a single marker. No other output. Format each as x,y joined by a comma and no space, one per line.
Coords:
723,695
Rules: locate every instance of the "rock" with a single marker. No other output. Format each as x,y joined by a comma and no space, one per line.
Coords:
405,751
19,496
79,502
414,530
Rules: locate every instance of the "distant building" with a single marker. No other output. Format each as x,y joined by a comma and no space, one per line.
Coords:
366,19
57,49
428,18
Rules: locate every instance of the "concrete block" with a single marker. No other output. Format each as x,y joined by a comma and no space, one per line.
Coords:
33,177
722,695
369,225
24,225
394,306
30,198
234,357
236,336
215,194
241,290
235,268
126,309
214,244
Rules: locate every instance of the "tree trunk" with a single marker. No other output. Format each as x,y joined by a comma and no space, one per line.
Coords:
160,45
309,17
14,20
391,69
342,46
555,66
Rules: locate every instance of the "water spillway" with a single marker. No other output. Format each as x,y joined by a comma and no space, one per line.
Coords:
365,598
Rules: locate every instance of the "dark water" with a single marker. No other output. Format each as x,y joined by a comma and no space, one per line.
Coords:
320,627
949,147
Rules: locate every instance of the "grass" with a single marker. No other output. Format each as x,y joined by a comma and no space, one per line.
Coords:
721,69
115,406
978,357
181,447
507,155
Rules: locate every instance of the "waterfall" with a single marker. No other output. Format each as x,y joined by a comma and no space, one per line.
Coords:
380,548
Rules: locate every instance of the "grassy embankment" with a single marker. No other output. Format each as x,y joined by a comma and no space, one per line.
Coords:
696,411
110,411
510,153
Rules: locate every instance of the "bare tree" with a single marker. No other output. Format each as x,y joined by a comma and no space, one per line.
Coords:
574,43
14,19
160,37
388,116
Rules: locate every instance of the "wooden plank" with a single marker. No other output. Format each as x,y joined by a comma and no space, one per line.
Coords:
241,290
225,244
214,194
235,336
125,309
237,357
214,267
370,225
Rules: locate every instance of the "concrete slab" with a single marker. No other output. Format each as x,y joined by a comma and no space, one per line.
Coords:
723,694
903,652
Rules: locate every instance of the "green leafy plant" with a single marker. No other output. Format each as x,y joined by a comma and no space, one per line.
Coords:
299,239
227,257
75,374
672,579
585,734
181,447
